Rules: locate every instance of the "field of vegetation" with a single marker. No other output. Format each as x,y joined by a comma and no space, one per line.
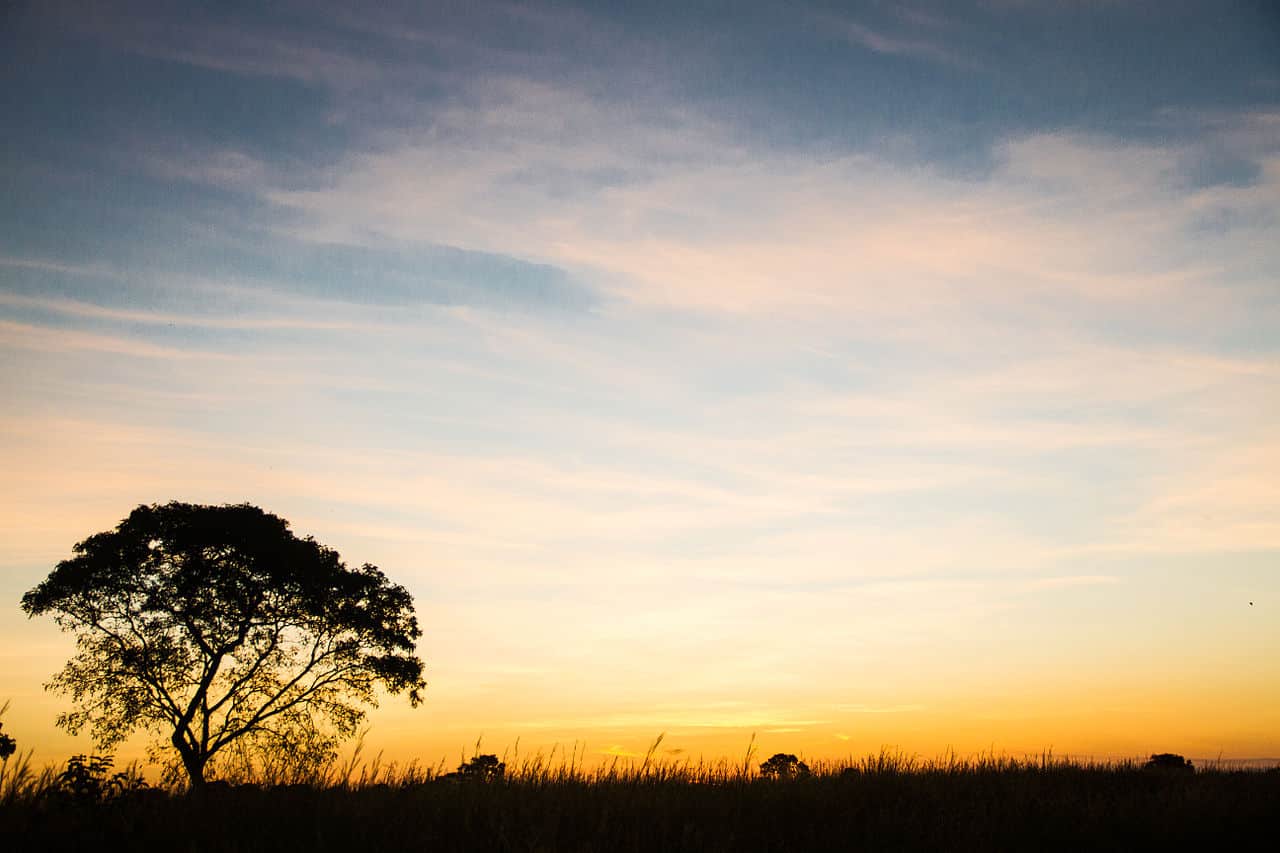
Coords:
887,801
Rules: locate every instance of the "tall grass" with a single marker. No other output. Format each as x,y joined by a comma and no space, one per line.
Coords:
569,765
18,781
561,801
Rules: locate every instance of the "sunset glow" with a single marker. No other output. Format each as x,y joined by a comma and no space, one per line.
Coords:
846,375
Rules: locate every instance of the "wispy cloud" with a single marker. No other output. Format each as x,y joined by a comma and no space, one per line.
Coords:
78,308
673,722
1074,580
879,709
44,265
1062,218
882,42
221,42
50,340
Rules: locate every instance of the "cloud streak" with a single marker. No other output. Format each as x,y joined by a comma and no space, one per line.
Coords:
879,42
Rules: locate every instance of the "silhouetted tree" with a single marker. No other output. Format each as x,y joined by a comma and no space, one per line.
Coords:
783,765
8,746
214,625
1169,761
482,768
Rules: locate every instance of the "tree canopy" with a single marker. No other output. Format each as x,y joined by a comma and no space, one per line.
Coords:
218,628
783,765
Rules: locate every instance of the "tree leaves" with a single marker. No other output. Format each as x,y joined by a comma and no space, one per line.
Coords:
215,624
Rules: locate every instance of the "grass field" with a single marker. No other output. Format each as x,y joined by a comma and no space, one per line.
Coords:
882,802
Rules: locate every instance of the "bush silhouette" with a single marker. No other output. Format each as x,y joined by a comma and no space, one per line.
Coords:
783,765
85,780
1169,761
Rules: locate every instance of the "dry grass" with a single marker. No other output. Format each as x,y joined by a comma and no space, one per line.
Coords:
557,802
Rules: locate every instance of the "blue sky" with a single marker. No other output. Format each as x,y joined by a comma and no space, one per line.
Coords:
939,338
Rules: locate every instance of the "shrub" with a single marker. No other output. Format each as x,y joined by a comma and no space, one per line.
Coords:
86,780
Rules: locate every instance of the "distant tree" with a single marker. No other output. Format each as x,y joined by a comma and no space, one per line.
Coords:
215,625
8,746
481,768
1169,761
783,765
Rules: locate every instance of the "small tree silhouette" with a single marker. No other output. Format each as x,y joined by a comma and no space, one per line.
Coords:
1169,761
8,746
784,765
483,769
86,780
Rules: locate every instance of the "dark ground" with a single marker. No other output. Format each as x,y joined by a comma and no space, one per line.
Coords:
1054,809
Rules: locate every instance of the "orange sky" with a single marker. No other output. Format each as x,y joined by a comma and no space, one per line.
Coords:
845,378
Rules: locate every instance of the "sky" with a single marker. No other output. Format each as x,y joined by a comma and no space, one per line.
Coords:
860,374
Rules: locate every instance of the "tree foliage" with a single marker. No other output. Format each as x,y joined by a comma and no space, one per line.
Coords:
783,765
481,768
1169,761
88,779
216,626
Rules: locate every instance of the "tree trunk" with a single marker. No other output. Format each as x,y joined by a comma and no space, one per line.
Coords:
192,762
